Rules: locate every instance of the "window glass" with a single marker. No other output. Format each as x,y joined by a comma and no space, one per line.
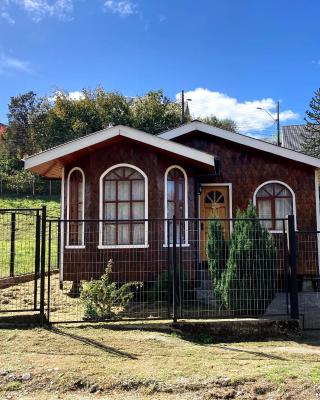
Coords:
75,205
274,201
176,202
124,200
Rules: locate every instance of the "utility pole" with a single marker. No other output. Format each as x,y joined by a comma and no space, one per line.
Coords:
183,117
278,124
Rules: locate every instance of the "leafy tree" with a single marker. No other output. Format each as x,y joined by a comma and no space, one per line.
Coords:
155,113
102,299
226,124
311,143
21,138
248,283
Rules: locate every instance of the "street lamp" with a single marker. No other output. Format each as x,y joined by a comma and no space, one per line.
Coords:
276,120
183,116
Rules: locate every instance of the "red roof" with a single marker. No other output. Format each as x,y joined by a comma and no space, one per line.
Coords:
3,128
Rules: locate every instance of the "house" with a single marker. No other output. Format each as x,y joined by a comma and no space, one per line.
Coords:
3,129
120,185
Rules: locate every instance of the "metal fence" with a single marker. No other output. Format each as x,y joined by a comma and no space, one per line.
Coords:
20,248
20,186
169,269
309,281
93,270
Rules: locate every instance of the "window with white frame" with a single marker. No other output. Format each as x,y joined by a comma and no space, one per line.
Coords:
274,200
176,204
124,209
75,208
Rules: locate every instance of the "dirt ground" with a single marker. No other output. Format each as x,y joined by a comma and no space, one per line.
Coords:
125,361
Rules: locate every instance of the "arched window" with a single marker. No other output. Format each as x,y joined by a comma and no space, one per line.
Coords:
176,202
123,191
75,208
274,200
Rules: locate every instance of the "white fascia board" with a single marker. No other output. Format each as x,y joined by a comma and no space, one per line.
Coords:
241,139
106,134
169,146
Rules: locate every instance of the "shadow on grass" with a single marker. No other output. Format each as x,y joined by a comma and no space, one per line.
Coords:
91,342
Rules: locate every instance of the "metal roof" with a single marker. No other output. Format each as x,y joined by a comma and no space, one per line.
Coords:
293,136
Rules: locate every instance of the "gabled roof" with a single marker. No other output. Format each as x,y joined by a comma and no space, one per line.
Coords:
241,139
293,136
50,162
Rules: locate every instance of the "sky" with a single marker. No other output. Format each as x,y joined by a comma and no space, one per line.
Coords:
230,56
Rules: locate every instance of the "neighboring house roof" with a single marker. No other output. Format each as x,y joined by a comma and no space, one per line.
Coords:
3,128
241,139
293,136
50,162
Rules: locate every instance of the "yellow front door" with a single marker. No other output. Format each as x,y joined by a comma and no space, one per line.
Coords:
214,203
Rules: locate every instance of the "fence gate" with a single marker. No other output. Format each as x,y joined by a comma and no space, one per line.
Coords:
21,257
309,283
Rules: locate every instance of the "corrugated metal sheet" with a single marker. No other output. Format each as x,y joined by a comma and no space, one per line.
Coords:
293,136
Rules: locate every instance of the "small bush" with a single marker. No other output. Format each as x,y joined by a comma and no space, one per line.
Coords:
159,289
101,298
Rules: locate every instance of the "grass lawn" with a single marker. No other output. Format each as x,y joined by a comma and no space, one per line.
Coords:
121,361
25,232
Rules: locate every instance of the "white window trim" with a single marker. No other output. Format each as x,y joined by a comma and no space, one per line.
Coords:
186,207
82,245
62,226
294,209
123,246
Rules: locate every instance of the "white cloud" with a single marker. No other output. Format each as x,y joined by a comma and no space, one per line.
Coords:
8,64
205,103
7,17
122,7
76,95
39,9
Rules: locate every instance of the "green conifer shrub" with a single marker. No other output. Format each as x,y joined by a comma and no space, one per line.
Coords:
248,283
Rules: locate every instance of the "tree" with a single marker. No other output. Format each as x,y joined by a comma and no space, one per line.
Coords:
21,138
155,113
311,143
226,124
248,282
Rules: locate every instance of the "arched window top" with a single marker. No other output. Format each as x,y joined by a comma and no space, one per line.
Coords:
123,202
75,207
214,197
274,200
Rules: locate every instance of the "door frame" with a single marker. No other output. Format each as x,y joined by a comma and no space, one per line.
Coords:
229,185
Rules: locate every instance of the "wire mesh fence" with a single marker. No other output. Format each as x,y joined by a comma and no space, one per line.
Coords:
102,270
309,279
19,259
93,270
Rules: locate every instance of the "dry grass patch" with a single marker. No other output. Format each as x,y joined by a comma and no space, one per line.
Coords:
71,361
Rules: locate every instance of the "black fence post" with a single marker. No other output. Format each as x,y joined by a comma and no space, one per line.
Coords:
43,263
174,272
49,272
294,302
37,259
12,243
